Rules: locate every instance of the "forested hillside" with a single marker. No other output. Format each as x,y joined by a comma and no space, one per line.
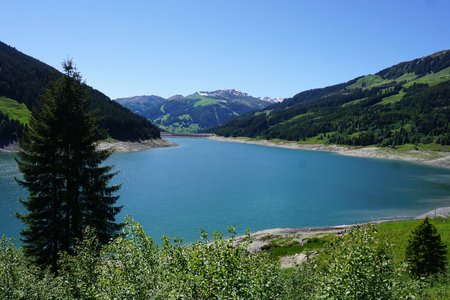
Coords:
24,79
406,103
14,119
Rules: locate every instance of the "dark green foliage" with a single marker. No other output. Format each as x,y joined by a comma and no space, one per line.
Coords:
25,79
119,122
425,253
63,172
355,266
363,269
133,267
22,77
10,130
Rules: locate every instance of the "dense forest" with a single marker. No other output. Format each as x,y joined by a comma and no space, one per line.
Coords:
406,103
10,129
24,79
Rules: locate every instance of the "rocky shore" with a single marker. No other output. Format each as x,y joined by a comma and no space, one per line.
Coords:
426,157
262,239
12,147
120,146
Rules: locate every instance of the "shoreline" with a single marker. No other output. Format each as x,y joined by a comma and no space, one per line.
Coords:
440,212
186,135
424,157
126,146
263,238
115,145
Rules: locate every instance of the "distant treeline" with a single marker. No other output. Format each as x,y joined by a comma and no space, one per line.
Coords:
355,114
422,116
24,79
10,130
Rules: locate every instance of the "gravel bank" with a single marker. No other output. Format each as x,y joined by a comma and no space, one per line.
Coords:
120,146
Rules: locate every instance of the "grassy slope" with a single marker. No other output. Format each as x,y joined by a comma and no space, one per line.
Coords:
205,101
432,78
368,82
392,99
397,234
394,233
15,110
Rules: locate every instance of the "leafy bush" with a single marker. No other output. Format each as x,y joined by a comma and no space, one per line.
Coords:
133,267
19,280
359,267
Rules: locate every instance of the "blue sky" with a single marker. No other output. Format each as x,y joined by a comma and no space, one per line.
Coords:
266,48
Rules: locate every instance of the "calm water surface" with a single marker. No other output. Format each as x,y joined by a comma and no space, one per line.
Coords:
212,185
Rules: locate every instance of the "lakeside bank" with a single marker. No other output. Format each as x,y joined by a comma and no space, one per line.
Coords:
425,157
127,146
115,145
269,239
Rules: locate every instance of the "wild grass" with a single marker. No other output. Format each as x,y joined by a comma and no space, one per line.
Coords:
15,110
394,233
432,78
287,246
368,82
392,99
205,101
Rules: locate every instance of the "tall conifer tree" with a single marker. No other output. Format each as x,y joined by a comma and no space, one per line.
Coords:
426,253
64,173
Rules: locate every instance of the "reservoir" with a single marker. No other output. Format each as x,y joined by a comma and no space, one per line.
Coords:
211,185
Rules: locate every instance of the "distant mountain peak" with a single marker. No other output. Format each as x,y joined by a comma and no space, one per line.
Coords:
233,94
225,93
271,100
176,97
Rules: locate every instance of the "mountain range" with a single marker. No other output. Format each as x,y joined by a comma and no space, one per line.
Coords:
408,103
196,112
23,80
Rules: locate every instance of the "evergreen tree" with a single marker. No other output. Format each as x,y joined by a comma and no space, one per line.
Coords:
68,184
425,252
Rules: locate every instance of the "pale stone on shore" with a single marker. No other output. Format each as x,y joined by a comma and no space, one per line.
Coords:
120,146
441,212
12,147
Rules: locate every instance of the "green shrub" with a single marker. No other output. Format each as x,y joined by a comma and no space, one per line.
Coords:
425,253
133,267
358,267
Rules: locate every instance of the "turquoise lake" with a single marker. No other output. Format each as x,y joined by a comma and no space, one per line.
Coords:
206,184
